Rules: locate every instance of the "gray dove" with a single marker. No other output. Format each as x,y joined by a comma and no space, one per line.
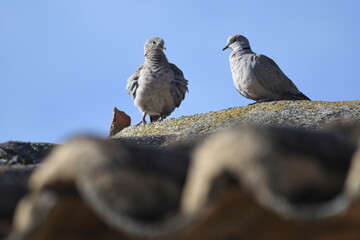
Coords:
157,86
257,76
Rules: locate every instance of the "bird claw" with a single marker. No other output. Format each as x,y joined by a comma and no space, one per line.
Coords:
264,100
261,100
141,122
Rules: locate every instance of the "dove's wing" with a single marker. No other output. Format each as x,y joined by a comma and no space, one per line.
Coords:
178,85
132,82
270,76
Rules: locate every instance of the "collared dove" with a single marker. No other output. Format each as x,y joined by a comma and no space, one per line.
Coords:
157,86
257,76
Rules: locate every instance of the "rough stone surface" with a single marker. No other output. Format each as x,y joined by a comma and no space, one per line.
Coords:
24,152
304,114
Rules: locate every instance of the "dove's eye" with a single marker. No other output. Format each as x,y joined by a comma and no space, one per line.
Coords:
154,42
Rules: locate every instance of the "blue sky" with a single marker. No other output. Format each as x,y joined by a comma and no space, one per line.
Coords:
64,63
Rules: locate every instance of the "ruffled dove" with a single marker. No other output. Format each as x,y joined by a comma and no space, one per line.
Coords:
157,86
257,76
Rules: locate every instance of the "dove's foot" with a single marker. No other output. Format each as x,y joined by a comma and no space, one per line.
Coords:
262,100
143,120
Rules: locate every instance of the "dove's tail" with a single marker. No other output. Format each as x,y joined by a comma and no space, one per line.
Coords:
295,96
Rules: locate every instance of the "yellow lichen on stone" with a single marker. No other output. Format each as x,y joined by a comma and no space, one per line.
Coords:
305,114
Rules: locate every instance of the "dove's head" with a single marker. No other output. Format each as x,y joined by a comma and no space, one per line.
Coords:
154,44
237,42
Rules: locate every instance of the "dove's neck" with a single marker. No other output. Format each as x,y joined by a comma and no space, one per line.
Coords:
241,51
156,59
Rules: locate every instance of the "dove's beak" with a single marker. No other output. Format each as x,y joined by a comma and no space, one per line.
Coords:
162,47
227,46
